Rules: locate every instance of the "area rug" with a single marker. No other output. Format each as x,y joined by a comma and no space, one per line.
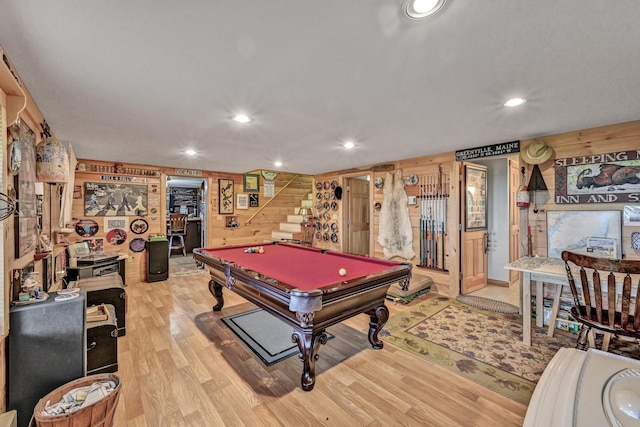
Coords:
266,335
482,346
187,273
488,304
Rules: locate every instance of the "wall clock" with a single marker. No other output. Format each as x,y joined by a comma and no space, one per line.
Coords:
15,157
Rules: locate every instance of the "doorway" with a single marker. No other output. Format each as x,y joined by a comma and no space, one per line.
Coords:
501,240
189,196
357,214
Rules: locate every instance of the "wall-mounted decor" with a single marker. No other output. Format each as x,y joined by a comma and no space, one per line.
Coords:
254,200
243,201
139,226
137,244
251,183
476,202
96,246
631,216
24,183
104,199
117,236
86,227
231,222
225,196
575,230
598,178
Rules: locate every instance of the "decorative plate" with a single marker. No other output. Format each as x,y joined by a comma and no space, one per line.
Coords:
325,205
318,185
334,238
319,206
117,236
334,206
334,227
378,182
319,196
412,179
139,226
327,195
334,184
318,235
325,237
326,185
15,157
377,206
325,226
326,216
86,227
137,244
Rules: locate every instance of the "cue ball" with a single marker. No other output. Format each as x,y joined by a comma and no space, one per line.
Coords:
342,272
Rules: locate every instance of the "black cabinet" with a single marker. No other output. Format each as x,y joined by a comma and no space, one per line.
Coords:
102,344
46,349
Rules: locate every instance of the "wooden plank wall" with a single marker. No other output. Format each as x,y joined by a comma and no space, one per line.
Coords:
257,231
600,140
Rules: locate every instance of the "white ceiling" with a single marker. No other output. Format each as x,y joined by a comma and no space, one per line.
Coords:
142,80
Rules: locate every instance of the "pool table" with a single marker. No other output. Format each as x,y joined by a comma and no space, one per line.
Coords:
302,286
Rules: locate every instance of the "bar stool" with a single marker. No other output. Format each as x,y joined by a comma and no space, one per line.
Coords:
177,228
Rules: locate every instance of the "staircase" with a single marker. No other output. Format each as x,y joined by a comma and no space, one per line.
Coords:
291,229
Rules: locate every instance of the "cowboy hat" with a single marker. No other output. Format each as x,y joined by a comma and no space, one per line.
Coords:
537,153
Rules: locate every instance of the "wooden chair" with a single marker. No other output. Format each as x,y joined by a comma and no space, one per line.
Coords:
611,303
177,228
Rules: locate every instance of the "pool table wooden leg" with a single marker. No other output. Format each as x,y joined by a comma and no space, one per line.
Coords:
216,290
308,345
379,317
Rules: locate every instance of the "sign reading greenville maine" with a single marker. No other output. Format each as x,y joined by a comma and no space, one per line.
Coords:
488,151
598,178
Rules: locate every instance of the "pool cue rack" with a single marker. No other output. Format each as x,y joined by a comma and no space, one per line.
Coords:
432,200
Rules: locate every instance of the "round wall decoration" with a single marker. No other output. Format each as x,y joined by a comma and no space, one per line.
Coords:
412,180
86,227
378,182
117,236
139,226
137,244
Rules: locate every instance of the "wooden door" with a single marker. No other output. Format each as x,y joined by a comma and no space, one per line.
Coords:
514,218
358,222
473,257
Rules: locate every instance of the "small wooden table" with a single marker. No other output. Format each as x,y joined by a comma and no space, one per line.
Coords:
540,270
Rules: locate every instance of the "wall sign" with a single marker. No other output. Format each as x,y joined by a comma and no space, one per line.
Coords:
598,178
189,172
488,151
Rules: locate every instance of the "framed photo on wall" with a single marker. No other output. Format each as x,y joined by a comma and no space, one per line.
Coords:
254,200
225,196
243,201
251,183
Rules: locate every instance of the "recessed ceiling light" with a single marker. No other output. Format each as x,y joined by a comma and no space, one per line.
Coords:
419,9
514,102
277,164
241,118
191,152
349,145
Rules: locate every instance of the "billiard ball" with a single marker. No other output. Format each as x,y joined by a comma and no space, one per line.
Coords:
342,272
261,250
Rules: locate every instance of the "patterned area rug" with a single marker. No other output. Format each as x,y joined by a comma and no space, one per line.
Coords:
482,346
187,273
488,304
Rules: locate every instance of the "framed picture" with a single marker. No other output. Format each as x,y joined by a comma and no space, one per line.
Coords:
106,199
231,222
254,200
251,183
225,196
596,233
96,245
26,223
476,202
243,201
77,191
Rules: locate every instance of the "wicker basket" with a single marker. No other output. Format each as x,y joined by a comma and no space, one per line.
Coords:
98,414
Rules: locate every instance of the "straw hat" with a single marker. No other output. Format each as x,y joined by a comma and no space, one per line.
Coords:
537,153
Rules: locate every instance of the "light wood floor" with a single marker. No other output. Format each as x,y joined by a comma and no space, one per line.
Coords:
181,366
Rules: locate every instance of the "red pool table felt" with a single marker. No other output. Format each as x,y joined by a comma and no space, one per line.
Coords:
301,267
